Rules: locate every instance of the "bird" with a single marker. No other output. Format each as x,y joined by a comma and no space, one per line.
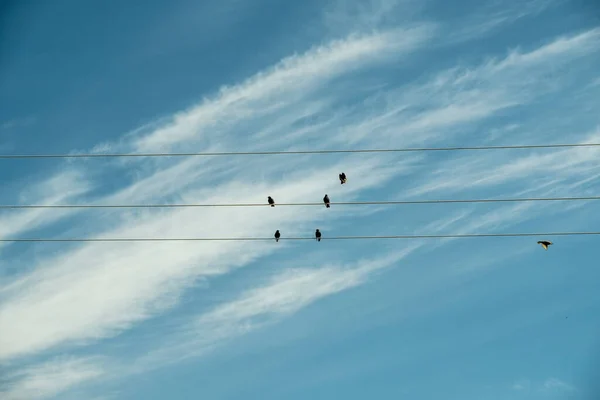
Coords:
277,235
326,201
342,178
545,244
271,201
318,235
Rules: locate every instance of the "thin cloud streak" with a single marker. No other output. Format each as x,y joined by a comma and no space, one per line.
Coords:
285,294
51,378
295,76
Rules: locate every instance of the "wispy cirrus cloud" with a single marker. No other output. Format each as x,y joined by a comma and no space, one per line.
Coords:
554,384
283,295
550,385
51,378
565,166
17,123
288,81
341,16
450,102
66,186
497,14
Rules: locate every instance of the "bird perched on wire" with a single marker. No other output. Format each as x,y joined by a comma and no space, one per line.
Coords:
277,235
326,201
271,201
318,235
342,178
545,244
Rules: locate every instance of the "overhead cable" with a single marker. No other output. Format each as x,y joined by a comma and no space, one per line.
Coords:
291,152
320,204
245,239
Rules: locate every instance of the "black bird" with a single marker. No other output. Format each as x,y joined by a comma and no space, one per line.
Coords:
271,201
277,235
342,178
326,201
318,235
545,244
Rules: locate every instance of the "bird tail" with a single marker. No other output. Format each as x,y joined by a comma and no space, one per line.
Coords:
327,205
277,239
272,205
318,239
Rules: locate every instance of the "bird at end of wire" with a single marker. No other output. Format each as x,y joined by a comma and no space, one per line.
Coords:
318,235
277,235
271,201
326,201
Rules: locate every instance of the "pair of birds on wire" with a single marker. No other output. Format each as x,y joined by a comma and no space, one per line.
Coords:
271,202
325,200
317,235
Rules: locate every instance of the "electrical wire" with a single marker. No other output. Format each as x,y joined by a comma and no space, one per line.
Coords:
320,204
252,153
245,239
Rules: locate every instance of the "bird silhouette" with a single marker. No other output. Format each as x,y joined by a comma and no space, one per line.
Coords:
342,178
318,235
326,201
271,201
545,244
277,235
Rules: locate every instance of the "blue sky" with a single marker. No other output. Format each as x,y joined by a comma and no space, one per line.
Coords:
480,319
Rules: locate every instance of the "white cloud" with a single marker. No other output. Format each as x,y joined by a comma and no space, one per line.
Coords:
572,46
66,186
293,76
497,14
560,166
550,385
453,100
283,295
554,384
17,123
51,378
342,16
521,385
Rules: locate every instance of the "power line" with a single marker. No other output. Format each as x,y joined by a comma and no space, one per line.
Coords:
245,239
320,204
253,153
